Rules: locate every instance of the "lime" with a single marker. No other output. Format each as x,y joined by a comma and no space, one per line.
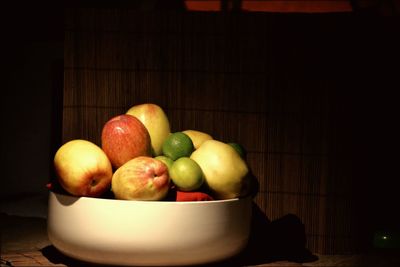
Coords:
239,149
186,174
177,145
167,161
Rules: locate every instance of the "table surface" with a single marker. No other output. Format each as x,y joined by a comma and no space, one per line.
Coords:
24,242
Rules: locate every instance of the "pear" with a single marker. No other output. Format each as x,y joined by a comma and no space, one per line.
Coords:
156,122
225,172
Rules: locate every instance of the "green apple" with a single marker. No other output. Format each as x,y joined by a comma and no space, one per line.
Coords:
156,122
225,172
197,137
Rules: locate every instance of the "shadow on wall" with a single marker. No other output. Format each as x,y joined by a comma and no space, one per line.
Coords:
278,240
283,239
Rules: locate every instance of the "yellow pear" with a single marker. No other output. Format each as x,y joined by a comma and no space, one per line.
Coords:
225,172
156,122
197,137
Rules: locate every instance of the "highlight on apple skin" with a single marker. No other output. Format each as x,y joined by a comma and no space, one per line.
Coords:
123,138
82,168
142,178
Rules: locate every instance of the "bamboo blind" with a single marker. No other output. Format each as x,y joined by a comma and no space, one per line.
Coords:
270,82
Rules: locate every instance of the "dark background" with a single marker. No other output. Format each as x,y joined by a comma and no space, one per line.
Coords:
32,66
32,106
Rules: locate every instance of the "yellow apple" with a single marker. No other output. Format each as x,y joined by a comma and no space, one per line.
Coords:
156,122
82,168
225,172
197,137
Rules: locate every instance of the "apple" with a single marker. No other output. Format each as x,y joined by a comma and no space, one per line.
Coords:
225,172
198,137
156,122
82,168
123,138
142,178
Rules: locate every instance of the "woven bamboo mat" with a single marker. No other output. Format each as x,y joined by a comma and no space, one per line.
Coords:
37,258
49,256
24,243
27,258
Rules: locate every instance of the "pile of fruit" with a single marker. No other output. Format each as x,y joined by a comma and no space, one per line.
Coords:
140,159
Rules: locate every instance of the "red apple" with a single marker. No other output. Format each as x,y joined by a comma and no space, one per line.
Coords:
123,138
83,169
142,178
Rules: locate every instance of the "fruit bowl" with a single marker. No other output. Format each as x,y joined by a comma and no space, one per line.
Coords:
148,233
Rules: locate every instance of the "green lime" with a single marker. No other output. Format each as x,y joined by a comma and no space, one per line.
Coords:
177,145
166,160
186,174
239,149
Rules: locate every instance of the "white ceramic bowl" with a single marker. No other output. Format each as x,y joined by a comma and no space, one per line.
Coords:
148,233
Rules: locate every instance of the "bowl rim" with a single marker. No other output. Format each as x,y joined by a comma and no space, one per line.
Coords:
165,202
